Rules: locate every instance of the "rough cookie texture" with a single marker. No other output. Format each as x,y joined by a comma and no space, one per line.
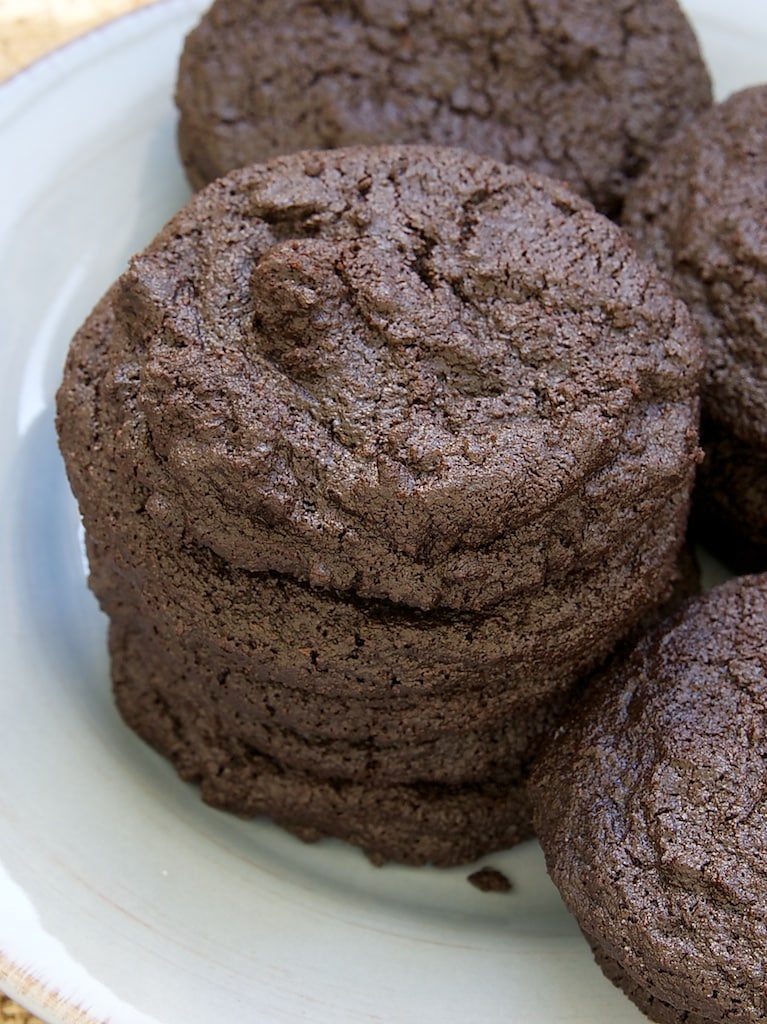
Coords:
367,525
583,91
700,213
650,806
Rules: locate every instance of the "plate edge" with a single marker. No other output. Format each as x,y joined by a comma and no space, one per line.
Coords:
24,85
31,993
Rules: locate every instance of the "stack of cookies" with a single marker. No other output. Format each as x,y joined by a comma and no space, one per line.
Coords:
379,452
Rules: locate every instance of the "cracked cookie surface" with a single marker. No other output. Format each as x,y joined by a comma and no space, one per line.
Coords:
581,91
399,372
650,805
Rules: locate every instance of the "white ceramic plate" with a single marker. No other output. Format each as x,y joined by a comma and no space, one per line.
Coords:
122,897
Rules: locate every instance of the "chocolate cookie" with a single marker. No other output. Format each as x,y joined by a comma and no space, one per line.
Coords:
650,806
387,397
215,440
700,213
584,91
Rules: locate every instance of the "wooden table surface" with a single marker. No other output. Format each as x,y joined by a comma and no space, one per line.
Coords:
28,30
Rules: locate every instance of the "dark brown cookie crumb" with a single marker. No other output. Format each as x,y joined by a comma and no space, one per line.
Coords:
490,879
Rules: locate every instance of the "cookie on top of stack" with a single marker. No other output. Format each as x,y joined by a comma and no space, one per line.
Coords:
379,451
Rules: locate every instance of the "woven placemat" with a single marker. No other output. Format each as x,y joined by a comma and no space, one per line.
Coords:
11,1013
28,30
31,28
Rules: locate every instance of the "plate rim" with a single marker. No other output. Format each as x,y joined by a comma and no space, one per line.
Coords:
26,82
31,994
